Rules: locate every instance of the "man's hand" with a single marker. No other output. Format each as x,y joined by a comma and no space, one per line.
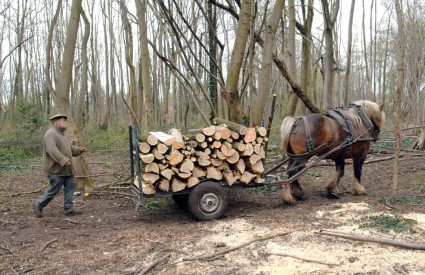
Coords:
68,164
83,149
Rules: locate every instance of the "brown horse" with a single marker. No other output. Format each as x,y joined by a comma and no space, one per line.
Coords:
338,134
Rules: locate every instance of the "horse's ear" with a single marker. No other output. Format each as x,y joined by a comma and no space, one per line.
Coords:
381,107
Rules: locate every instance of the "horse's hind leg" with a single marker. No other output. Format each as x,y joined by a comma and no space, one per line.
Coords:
332,188
357,188
294,167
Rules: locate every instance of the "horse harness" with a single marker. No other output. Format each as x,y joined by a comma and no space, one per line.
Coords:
347,124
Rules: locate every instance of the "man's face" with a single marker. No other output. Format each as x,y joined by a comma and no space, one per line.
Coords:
61,123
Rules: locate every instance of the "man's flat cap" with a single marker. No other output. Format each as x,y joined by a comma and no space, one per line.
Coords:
57,116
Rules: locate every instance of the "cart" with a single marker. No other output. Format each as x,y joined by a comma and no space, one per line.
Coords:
207,200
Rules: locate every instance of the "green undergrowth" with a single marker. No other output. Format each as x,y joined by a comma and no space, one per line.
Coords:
265,189
403,200
386,223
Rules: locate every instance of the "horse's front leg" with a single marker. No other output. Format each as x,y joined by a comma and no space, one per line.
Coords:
296,189
357,188
293,190
332,187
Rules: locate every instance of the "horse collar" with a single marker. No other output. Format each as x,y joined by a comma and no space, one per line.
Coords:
365,119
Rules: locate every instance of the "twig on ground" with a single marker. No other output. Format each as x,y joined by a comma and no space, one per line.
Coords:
32,192
153,264
112,193
7,247
374,240
300,258
71,221
46,245
215,255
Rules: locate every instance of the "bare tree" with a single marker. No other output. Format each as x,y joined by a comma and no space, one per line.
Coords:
266,67
399,91
329,20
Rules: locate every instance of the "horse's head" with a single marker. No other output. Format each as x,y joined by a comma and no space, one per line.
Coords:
375,113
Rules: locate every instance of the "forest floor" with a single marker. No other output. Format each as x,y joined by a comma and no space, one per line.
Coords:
257,235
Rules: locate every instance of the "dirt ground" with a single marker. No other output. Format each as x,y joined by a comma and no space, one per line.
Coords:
264,235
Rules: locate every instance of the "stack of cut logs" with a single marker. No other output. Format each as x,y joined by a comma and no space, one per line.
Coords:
228,152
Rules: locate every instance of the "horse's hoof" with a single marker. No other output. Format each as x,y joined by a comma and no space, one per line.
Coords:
299,195
332,194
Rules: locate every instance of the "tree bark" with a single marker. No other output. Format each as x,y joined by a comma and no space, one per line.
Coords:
62,99
266,67
231,93
398,92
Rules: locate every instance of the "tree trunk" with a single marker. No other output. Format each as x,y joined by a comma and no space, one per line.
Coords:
231,93
349,50
398,92
144,62
266,67
329,19
62,98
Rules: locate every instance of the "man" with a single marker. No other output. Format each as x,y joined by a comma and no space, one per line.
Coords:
57,153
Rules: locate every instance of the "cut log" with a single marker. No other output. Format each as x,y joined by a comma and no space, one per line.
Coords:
224,131
227,151
233,158
148,189
176,157
216,162
202,155
220,155
254,158
216,144
224,167
186,166
162,148
243,130
247,177
192,181
217,135
249,150
204,162
177,185
183,175
209,131
198,172
231,177
250,136
144,147
200,137
239,146
262,131
193,143
179,141
164,138
150,178
259,179
152,140
229,124
259,150
257,167
157,154
152,167
164,185
203,144
214,173
235,135
240,166
148,158
167,173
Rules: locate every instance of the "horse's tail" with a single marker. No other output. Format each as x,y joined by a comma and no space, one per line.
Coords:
285,132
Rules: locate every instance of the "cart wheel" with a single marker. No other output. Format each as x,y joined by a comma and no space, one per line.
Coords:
181,200
207,201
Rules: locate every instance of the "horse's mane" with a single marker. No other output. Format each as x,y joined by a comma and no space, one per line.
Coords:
371,109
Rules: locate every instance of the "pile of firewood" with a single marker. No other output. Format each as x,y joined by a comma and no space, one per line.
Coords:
228,152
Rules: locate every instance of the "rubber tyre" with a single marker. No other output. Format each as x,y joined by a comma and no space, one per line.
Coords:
181,200
207,201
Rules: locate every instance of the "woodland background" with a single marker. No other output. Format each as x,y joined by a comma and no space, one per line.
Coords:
165,64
